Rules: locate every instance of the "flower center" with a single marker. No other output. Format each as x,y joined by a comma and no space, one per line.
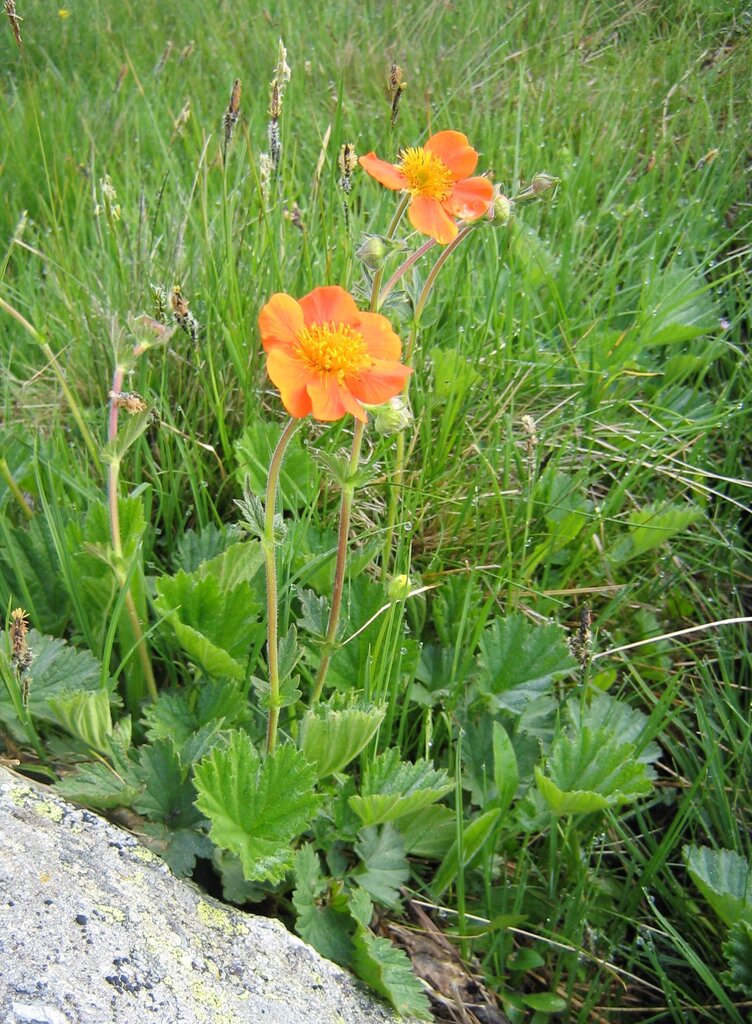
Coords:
426,174
333,348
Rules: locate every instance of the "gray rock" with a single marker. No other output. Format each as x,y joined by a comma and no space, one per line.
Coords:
94,929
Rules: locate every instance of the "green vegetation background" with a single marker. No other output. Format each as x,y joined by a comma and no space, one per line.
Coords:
616,315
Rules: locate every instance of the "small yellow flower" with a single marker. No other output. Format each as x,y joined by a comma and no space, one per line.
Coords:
63,12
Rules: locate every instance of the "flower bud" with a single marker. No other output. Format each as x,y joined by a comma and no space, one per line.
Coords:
373,252
500,210
399,587
543,182
540,183
393,416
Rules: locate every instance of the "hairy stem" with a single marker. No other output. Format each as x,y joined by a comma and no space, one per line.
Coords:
113,481
270,559
348,491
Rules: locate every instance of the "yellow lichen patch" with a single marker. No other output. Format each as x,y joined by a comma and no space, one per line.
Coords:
142,854
213,917
19,796
214,1000
48,809
112,915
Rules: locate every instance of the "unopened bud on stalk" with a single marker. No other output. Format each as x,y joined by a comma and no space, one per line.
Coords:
500,210
543,182
373,251
393,416
399,587
540,183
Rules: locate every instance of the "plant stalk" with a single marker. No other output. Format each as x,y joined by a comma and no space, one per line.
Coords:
398,477
348,491
379,274
113,479
270,560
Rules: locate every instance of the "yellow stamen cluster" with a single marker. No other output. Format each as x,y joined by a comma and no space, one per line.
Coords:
426,174
333,348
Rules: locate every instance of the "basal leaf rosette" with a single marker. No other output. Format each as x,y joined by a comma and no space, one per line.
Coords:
437,177
327,357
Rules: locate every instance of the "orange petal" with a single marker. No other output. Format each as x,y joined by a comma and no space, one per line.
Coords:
330,304
291,377
427,216
470,199
330,400
280,320
381,341
379,383
453,149
389,175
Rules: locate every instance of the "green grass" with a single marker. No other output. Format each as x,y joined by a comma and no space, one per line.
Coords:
614,313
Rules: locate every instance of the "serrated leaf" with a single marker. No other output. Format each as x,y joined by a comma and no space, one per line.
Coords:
289,693
314,613
169,716
384,867
221,700
130,428
326,929
256,808
56,670
214,622
367,602
235,886
168,794
299,477
196,546
95,536
519,661
361,907
652,526
252,511
179,847
200,742
289,653
84,714
590,770
31,569
428,832
605,712
97,785
724,879
330,738
676,306
384,967
239,563
474,837
392,788
738,953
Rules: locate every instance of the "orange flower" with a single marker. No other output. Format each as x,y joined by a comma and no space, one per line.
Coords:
437,177
327,357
